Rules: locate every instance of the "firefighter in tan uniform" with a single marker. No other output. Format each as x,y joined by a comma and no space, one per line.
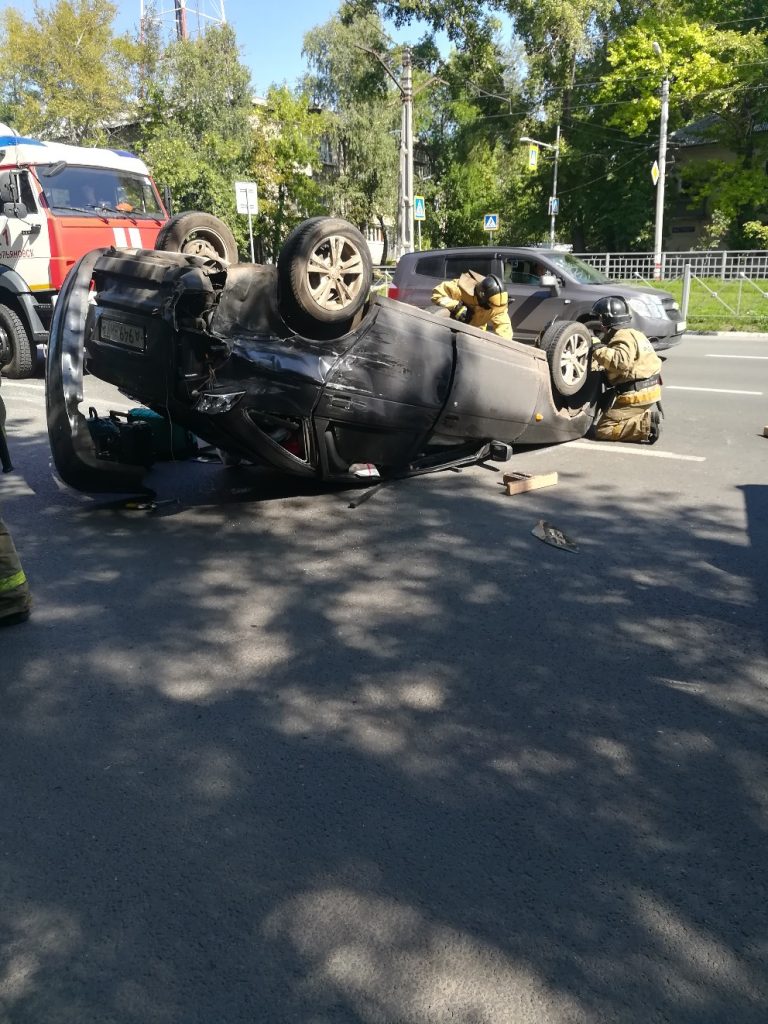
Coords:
632,400
15,601
479,301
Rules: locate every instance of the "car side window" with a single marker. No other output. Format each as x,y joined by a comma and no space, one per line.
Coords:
27,195
455,266
430,266
522,271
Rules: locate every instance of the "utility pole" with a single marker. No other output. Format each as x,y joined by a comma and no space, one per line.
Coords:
405,183
180,9
203,13
659,232
405,211
553,198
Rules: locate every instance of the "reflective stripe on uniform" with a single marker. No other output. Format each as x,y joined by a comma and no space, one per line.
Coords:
11,582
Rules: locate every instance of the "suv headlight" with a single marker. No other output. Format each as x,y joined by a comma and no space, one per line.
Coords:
647,306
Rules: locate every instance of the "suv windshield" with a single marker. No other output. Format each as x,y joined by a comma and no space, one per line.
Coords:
93,189
576,268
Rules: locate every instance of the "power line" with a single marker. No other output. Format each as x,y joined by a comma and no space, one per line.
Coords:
640,75
583,184
740,21
575,123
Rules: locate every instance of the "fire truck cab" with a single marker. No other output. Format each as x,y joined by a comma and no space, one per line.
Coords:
58,202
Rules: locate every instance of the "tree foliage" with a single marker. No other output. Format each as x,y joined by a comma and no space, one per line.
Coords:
66,74
196,122
285,163
353,76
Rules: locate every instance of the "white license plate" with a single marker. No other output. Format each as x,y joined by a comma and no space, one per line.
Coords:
129,335
680,327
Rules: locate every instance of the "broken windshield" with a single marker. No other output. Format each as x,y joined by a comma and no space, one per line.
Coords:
576,268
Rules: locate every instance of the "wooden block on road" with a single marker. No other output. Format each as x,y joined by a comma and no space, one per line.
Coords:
518,483
765,431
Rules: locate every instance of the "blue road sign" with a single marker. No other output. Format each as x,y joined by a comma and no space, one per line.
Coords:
419,210
491,222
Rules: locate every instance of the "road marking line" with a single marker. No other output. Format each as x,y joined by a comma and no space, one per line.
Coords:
616,448
715,391
714,355
12,384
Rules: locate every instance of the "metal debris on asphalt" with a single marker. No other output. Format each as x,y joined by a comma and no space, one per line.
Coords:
551,535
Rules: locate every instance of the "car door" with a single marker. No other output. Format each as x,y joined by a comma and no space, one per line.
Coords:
531,305
24,242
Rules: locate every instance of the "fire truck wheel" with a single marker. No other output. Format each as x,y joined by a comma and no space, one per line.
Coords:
16,356
198,234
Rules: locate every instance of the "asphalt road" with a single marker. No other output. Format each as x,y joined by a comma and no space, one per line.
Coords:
269,758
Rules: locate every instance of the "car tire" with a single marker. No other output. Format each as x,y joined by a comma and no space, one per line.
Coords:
15,347
568,346
324,272
198,234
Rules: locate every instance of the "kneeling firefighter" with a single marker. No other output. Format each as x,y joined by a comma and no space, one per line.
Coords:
15,602
476,300
631,406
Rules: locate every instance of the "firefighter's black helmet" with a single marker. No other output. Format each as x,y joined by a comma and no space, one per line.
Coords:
612,311
491,292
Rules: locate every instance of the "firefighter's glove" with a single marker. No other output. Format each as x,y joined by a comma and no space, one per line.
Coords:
461,313
596,346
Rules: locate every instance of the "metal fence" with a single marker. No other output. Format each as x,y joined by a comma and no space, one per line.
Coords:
725,264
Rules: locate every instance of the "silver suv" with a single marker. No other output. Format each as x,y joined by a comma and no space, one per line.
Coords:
533,304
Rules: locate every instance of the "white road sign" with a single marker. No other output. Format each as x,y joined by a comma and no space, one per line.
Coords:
247,197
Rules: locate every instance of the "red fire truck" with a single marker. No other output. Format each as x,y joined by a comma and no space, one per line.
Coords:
58,202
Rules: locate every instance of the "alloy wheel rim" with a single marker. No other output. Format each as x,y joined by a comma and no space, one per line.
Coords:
335,272
574,359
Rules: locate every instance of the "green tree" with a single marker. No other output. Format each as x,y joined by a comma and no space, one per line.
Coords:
717,81
66,75
285,162
196,123
349,79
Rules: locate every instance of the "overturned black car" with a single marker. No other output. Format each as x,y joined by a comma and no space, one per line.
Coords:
298,366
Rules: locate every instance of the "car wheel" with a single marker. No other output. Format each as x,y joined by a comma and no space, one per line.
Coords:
16,356
324,271
198,234
568,348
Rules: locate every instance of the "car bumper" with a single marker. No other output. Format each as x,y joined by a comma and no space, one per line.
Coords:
663,334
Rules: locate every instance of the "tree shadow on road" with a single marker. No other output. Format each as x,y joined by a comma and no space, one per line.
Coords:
292,762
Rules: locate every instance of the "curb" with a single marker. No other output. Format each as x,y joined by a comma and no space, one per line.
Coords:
735,335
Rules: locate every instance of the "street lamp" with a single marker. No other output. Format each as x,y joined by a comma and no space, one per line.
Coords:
553,204
657,243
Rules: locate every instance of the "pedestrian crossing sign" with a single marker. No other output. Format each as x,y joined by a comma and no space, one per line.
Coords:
419,212
491,222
